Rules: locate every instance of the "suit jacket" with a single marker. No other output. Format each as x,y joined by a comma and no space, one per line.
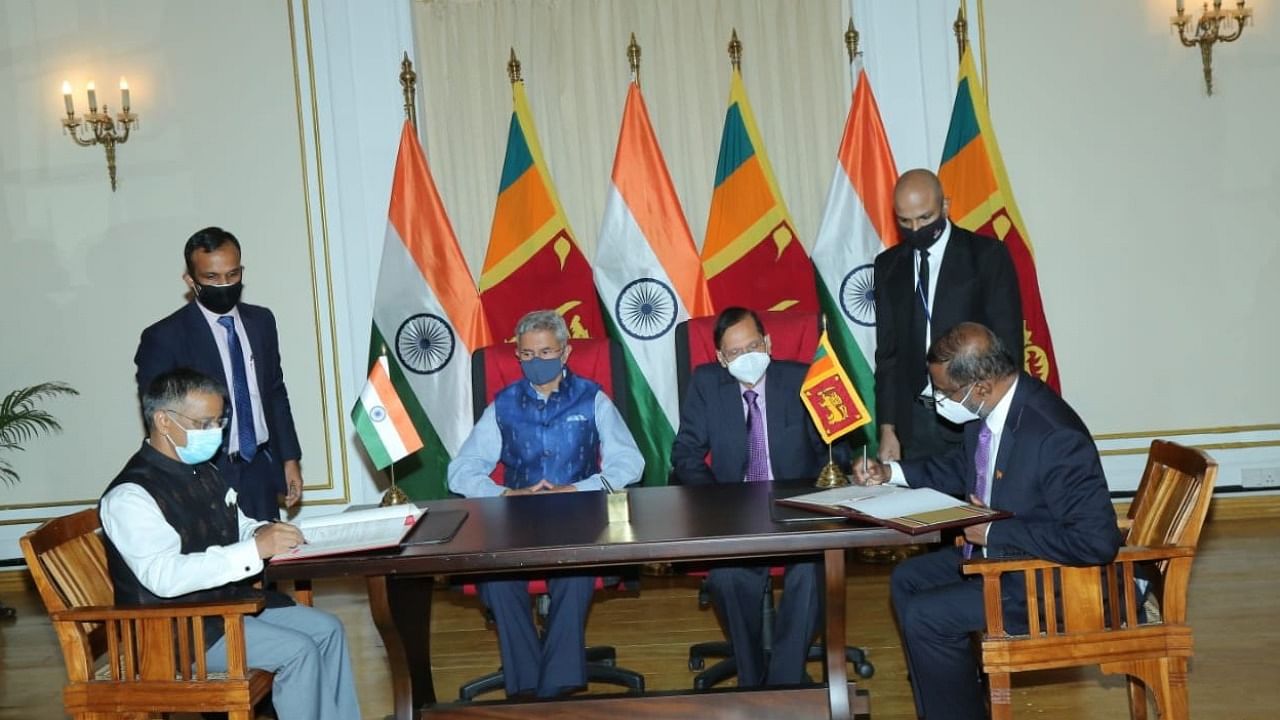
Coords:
712,421
184,339
976,283
1047,473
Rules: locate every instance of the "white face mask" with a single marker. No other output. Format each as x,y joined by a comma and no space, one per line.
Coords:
748,368
957,412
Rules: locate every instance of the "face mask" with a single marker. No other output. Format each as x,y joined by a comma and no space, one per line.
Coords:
219,299
957,412
748,368
541,371
923,237
201,445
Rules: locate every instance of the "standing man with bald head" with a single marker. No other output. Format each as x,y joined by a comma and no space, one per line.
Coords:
937,276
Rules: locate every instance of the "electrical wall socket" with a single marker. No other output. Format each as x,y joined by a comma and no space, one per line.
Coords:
1260,477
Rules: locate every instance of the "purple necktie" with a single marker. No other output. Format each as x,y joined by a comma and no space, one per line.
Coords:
981,463
757,447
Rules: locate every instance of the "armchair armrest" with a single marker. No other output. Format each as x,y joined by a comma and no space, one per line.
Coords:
103,613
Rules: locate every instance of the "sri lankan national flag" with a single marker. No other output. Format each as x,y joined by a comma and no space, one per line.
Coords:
750,254
973,176
533,262
829,395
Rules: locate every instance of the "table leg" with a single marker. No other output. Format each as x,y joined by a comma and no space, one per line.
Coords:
401,608
837,678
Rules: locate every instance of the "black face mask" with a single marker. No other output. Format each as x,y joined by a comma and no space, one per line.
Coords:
219,299
923,237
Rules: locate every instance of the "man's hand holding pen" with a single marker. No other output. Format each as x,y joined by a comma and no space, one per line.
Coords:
277,537
870,472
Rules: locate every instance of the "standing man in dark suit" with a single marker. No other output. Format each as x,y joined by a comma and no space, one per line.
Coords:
1024,451
746,412
224,338
939,275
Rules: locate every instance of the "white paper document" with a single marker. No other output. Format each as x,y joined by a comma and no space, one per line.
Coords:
883,501
355,530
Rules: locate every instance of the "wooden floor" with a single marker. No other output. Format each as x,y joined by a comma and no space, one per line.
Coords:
1234,609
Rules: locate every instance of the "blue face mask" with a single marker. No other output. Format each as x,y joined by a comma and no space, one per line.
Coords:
541,371
201,445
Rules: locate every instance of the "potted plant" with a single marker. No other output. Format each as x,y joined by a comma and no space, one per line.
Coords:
21,420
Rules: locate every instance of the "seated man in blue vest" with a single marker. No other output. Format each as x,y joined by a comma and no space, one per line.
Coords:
175,534
553,432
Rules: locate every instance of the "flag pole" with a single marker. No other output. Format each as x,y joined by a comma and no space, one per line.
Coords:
961,27
831,475
633,58
394,495
409,86
735,51
851,40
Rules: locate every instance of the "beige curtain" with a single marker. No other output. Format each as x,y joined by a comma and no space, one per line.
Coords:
573,56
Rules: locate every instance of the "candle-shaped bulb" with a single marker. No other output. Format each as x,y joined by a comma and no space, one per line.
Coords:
66,99
124,94
1217,4
93,97
1180,6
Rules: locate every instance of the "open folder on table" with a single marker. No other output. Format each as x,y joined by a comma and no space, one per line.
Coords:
354,530
911,510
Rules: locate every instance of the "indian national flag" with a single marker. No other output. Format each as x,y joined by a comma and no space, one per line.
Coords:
426,320
649,277
533,262
751,254
858,224
382,422
829,395
973,176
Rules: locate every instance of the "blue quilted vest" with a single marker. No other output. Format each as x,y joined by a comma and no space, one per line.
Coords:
554,438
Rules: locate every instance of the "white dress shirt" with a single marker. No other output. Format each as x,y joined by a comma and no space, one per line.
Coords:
255,396
153,549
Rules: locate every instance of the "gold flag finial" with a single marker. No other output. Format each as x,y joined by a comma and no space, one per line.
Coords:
851,40
409,86
513,68
961,26
735,50
633,59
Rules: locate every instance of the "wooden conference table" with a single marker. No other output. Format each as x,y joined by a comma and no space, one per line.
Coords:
570,530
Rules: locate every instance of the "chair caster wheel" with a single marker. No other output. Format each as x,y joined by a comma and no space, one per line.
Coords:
864,670
696,664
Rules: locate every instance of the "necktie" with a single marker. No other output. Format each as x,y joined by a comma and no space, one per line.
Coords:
240,391
982,464
757,445
920,322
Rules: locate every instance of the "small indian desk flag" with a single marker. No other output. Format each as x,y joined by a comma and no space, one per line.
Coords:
382,422
829,395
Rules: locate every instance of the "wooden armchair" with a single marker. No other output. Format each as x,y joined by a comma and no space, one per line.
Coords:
1095,619
136,661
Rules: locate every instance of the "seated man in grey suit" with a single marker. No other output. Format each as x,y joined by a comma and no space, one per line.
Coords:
746,412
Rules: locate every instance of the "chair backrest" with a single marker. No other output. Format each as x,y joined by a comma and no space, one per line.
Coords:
1173,496
792,336
599,360
68,564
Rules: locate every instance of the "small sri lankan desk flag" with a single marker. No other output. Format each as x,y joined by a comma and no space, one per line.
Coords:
383,424
973,176
533,262
829,395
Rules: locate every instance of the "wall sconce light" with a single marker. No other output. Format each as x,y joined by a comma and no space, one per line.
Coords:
1209,29
102,129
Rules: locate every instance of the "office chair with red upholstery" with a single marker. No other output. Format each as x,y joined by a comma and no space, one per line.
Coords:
792,336
495,367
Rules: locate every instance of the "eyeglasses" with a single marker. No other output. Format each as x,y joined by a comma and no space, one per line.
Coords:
543,354
206,424
734,354
939,394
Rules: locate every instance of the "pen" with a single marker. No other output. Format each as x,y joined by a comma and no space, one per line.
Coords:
607,487
864,459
